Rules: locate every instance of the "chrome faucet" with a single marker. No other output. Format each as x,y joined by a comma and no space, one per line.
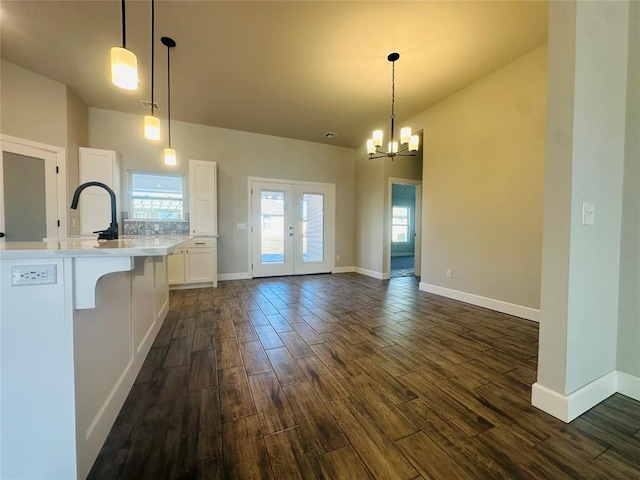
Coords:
110,233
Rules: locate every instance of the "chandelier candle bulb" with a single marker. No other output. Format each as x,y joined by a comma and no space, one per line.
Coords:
151,127
370,147
377,138
393,147
414,143
405,135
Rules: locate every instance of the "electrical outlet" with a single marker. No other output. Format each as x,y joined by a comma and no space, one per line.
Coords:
449,273
338,257
33,274
156,227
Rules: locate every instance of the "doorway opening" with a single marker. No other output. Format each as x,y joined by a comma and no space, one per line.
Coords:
404,227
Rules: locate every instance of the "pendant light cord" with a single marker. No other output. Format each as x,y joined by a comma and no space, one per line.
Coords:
124,26
169,90
153,30
393,96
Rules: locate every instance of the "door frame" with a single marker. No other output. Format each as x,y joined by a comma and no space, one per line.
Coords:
22,146
418,224
330,228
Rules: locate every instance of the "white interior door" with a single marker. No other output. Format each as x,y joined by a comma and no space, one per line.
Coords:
30,193
292,228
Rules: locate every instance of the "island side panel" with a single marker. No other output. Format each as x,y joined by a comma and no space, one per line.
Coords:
37,404
112,342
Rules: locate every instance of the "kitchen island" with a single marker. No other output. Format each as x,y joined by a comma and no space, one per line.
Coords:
78,317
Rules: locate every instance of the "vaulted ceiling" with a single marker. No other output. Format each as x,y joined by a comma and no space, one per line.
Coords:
291,69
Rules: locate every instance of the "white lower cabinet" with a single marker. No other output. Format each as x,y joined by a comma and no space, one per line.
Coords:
194,264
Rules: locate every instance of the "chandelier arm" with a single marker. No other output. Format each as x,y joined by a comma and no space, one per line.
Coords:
409,154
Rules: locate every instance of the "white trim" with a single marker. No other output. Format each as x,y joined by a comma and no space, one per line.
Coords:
490,303
188,286
224,277
343,269
629,385
569,407
371,273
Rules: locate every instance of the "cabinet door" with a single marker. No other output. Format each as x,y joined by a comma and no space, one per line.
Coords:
200,265
95,203
175,268
202,198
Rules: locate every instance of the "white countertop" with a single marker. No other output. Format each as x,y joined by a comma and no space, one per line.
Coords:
125,246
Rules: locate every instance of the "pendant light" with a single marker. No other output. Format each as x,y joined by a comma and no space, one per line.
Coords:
169,153
124,65
151,122
409,143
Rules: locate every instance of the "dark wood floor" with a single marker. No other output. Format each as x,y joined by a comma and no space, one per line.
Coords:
343,376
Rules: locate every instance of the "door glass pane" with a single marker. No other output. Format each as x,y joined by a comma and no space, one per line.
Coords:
312,227
24,198
272,227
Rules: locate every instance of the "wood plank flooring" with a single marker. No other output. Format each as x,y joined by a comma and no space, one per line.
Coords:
347,377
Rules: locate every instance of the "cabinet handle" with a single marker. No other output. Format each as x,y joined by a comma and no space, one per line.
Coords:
199,243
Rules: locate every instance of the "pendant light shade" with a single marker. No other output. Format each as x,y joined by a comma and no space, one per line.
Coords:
151,127
151,122
124,64
169,153
170,156
124,68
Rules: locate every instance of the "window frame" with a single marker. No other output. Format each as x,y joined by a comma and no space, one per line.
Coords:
156,174
407,225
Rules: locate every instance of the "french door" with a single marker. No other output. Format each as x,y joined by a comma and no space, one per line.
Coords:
292,228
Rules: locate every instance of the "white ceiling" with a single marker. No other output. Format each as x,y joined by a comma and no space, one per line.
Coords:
291,69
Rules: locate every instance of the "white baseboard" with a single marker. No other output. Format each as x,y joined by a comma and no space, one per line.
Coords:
490,303
223,277
343,269
371,273
629,385
569,407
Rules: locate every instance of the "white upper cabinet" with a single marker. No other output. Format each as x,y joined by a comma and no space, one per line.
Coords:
203,208
95,204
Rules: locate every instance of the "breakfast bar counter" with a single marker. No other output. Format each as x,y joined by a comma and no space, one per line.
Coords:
78,317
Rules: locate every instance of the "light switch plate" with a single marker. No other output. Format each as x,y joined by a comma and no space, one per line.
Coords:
588,213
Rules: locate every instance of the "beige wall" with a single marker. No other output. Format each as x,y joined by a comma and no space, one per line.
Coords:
628,355
585,162
33,107
369,218
482,184
45,111
77,136
238,155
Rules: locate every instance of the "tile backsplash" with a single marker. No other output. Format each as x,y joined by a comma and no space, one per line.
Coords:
150,227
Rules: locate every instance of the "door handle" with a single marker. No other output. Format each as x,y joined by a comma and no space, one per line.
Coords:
291,234
1,234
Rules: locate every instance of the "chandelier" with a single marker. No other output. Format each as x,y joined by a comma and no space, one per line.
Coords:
409,143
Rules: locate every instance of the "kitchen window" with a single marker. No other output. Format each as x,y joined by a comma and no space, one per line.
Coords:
400,225
156,196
